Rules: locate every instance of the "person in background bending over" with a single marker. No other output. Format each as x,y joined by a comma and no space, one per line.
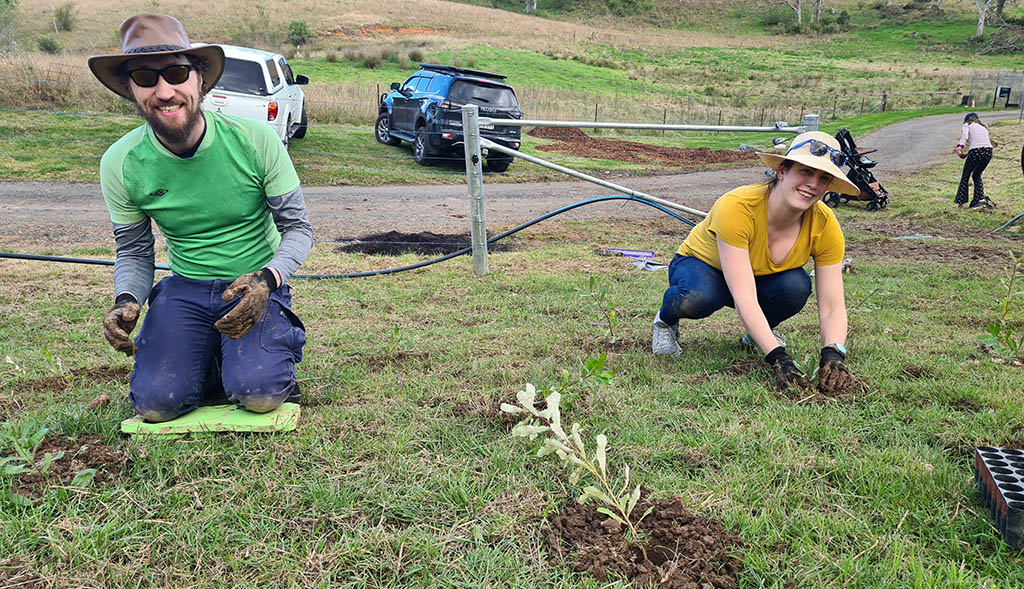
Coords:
975,135
749,253
227,199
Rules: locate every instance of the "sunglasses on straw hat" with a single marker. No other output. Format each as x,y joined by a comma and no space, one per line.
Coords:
821,149
173,74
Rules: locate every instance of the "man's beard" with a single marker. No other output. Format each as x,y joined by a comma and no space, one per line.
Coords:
173,135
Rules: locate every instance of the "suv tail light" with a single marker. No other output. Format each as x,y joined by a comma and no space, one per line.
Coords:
449,105
271,111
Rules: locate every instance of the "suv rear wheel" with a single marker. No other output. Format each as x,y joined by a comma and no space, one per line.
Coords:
382,130
498,164
300,129
421,148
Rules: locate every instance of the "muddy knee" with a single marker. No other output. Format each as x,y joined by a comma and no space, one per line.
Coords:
693,305
262,403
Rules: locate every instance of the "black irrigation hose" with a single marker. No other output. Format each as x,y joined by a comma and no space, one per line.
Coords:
455,254
1011,221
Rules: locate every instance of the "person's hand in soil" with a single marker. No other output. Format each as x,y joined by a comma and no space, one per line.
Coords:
254,289
833,375
119,322
787,375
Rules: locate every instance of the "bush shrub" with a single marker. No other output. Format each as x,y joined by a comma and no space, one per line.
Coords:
64,17
371,60
299,33
49,45
416,55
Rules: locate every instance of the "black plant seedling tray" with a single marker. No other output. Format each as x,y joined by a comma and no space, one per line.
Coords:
999,473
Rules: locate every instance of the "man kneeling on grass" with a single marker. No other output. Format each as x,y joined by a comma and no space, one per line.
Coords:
227,199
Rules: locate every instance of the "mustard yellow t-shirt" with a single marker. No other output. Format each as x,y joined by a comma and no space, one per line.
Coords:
739,219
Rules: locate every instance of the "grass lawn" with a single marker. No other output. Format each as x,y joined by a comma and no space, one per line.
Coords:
402,472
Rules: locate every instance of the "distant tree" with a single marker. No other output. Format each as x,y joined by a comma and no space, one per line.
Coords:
797,8
529,6
982,10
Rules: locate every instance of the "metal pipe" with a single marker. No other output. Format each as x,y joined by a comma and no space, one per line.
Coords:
475,180
509,151
484,121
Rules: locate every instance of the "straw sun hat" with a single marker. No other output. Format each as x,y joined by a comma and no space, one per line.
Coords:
153,34
802,154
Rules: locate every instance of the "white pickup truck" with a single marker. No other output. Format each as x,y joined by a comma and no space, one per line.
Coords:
260,85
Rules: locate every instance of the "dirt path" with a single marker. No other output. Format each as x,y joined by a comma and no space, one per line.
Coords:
44,216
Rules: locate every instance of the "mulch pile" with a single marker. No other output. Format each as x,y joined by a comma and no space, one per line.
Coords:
393,243
574,141
79,454
684,551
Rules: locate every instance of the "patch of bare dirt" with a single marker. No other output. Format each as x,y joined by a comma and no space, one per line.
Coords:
1013,443
742,367
394,243
15,573
683,550
96,374
968,404
927,250
576,142
81,453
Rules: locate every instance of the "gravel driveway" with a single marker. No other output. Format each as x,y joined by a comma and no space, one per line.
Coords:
45,216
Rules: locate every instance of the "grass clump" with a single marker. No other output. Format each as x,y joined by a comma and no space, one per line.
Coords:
64,17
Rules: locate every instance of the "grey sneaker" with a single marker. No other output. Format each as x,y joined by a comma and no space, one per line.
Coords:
748,342
664,338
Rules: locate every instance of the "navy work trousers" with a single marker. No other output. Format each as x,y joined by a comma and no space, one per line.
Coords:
697,289
182,358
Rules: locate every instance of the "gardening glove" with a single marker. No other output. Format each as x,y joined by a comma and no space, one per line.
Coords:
833,375
119,322
787,375
254,289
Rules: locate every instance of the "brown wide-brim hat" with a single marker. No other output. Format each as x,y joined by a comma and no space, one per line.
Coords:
153,34
802,154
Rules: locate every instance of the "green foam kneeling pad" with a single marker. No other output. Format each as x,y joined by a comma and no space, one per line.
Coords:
218,418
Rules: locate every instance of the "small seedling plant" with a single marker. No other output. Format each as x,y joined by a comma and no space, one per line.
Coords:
619,501
599,296
22,442
592,373
1000,337
397,342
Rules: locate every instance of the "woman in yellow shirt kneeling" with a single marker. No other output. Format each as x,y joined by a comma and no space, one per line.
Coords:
749,253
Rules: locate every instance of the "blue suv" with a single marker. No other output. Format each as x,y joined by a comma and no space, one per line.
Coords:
426,111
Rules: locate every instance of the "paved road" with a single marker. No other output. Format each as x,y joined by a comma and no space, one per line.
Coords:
40,216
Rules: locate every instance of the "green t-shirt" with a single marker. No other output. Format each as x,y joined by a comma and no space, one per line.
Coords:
211,207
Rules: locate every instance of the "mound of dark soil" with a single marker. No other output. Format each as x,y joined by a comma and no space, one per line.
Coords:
79,454
684,551
576,142
393,243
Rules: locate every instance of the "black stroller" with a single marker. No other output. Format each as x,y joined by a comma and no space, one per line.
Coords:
860,174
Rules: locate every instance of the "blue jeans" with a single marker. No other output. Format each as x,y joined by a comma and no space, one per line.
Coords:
182,358
697,289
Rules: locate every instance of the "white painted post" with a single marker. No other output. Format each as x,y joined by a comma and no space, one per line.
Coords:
475,181
811,122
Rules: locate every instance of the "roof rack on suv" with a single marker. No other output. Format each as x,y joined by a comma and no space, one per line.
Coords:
460,70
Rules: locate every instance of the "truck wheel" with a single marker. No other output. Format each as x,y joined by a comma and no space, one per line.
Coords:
421,148
382,130
300,129
498,164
